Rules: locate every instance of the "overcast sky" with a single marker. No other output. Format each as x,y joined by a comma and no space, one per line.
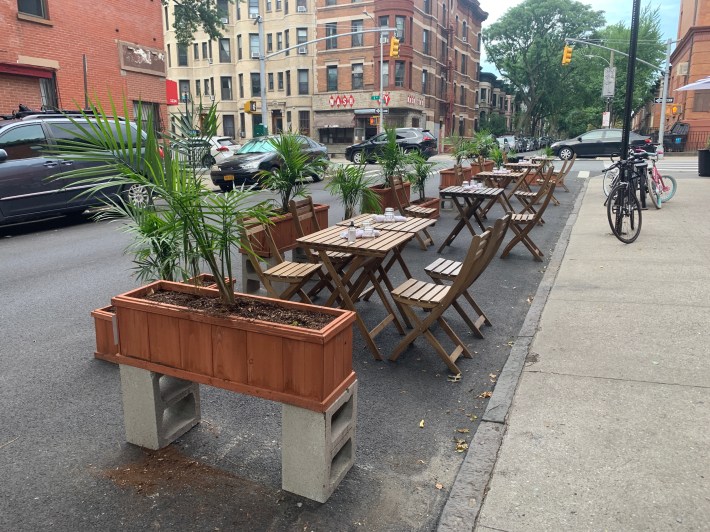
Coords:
615,11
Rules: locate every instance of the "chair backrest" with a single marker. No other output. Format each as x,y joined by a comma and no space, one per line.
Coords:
566,167
498,232
547,189
400,198
548,176
253,229
303,211
473,260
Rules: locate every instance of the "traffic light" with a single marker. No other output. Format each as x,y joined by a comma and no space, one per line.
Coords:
673,109
567,55
250,106
394,47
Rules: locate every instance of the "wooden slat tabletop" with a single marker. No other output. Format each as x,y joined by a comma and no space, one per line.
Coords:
411,225
522,165
472,192
330,239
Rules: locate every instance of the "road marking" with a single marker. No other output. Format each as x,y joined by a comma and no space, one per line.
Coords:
583,174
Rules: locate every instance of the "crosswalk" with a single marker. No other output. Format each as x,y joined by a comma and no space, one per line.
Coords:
670,165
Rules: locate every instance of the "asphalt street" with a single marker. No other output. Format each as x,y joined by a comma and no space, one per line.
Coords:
63,454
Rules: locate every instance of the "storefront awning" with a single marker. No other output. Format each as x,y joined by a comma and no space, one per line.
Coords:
342,119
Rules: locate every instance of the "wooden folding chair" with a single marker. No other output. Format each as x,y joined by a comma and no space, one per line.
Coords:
437,298
529,199
523,223
304,215
566,167
294,274
401,200
442,270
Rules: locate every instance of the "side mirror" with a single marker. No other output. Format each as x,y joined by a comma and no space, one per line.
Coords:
579,139
3,156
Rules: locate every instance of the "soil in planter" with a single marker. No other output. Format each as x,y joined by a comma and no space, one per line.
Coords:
251,309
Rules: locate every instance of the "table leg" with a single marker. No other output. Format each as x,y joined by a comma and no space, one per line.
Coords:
464,220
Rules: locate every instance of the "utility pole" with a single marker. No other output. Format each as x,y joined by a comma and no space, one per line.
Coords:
662,124
382,36
262,71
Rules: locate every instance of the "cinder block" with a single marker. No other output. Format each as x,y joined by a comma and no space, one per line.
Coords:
318,448
157,409
250,279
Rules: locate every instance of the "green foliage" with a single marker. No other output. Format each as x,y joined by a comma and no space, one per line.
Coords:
497,156
352,187
419,174
494,123
481,146
289,179
186,222
392,158
459,148
192,15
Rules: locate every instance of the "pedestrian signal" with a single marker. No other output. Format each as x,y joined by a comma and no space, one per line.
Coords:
250,106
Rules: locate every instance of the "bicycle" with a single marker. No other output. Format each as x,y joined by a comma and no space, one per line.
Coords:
623,208
661,187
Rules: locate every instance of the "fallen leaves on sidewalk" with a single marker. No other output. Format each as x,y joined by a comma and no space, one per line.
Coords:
421,424
485,395
461,445
439,485
463,431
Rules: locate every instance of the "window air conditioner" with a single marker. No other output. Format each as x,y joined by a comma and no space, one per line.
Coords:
682,69
303,50
209,60
464,39
253,15
212,97
225,20
301,9
242,134
255,55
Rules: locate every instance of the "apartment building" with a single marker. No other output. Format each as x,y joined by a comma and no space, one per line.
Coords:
226,71
433,83
51,57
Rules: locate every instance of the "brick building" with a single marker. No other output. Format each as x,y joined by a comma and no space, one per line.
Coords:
432,84
52,54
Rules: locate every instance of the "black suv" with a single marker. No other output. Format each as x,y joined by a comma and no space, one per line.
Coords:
26,188
411,139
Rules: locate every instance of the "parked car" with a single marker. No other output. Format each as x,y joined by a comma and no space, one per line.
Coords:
256,155
26,168
411,139
206,151
597,143
506,143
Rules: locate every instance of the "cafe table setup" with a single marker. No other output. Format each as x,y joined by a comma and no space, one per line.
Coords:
370,245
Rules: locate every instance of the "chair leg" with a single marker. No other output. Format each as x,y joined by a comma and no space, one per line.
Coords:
478,310
455,339
471,325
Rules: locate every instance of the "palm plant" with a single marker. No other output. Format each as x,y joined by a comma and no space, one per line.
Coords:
186,222
460,148
421,171
481,146
497,156
288,180
350,184
392,158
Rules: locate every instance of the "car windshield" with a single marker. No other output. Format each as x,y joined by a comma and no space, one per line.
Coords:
257,146
226,142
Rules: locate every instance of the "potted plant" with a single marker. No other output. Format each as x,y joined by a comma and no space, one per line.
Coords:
704,160
459,149
353,188
497,156
393,160
479,150
165,324
288,181
419,174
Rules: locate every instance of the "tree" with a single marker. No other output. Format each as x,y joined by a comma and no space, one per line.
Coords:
191,15
494,123
526,44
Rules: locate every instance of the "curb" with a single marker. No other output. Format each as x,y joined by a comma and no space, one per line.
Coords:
468,492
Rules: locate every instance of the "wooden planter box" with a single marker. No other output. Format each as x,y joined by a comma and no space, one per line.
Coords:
384,195
302,367
487,167
453,177
431,203
106,346
283,231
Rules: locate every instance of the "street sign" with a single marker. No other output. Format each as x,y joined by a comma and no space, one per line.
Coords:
609,82
660,100
375,97
383,111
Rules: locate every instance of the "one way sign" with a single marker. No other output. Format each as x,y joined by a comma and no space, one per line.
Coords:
660,100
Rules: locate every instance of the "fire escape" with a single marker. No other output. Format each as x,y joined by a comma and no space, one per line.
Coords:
447,72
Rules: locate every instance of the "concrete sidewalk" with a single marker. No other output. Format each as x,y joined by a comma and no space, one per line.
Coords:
610,423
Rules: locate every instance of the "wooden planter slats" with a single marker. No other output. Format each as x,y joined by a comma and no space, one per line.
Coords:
384,195
303,367
106,346
283,231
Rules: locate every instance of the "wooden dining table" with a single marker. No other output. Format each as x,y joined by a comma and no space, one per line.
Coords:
368,257
467,201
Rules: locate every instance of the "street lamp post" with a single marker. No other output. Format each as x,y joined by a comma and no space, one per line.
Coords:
381,34
262,70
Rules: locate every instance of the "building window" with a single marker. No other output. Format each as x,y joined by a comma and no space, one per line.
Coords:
357,81
330,2
301,35
253,45
204,50
461,126
301,6
399,24
242,123
269,43
425,41
37,8
228,126
462,101
182,55
253,8
286,41
464,64
484,95
225,52
239,46
332,77
170,57
195,51
223,11
464,31
270,77
278,5
241,85
207,87
285,7
226,84
269,5
302,81
399,73
288,83
304,122
331,29
279,41
427,7
425,82
255,84
184,88
356,25
198,87
280,80
386,74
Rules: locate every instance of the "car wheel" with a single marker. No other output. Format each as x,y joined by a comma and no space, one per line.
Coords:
137,195
226,187
208,161
358,157
566,153
316,177
412,151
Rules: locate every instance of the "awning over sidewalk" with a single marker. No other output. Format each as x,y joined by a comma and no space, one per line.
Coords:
342,119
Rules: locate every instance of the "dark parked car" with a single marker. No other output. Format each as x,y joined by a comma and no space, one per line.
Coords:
597,143
256,155
26,168
411,139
